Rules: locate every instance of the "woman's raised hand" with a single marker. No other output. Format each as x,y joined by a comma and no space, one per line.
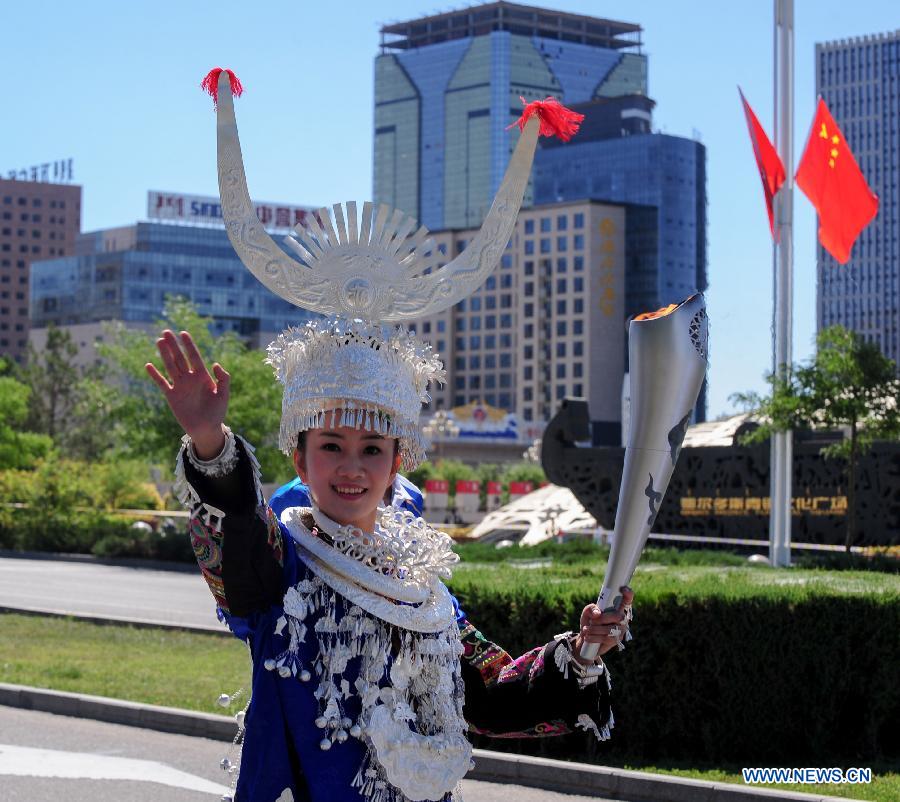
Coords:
197,400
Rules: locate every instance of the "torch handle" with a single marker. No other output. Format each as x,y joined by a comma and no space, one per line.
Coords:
589,650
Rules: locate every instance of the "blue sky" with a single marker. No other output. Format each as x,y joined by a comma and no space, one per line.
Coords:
115,86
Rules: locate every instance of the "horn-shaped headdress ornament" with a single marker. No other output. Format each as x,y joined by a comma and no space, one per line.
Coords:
364,268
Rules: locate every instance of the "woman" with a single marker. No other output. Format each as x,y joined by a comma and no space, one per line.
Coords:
365,671
366,674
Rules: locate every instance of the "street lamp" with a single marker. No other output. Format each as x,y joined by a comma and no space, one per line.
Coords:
440,427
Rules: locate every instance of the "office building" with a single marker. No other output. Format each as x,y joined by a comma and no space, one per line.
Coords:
38,220
447,85
858,80
616,158
546,324
125,274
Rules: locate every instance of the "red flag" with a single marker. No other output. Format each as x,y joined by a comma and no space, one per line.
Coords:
830,177
771,170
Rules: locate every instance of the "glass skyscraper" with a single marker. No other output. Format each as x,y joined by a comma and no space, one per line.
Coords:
125,274
858,79
446,87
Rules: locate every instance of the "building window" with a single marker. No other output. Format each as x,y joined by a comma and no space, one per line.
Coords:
490,361
529,226
561,307
546,224
528,352
578,263
562,222
529,310
578,220
475,362
577,369
490,381
529,330
460,363
578,242
561,285
506,320
578,306
528,373
562,243
529,246
475,341
561,328
579,390
506,340
527,394
561,350
561,370
578,348
561,265
490,341
545,245
505,362
475,303
560,392
529,268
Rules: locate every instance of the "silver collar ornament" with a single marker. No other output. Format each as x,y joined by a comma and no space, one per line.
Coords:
364,269
407,682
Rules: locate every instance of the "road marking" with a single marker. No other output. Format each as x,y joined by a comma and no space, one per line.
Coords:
24,761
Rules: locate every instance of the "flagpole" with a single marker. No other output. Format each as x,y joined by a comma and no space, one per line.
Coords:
782,442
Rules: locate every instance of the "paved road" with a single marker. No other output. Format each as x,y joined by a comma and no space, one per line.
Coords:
45,757
166,597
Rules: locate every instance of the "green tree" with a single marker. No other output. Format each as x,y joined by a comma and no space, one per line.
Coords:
848,384
53,377
147,429
19,449
521,472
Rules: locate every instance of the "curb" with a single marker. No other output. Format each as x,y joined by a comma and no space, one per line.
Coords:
496,767
112,620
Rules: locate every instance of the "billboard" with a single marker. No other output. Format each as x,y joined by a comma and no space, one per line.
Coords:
277,218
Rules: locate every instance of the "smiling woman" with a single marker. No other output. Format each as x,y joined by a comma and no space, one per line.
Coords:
348,471
359,650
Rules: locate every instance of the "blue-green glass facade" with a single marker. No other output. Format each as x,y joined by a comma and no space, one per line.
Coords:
441,112
131,285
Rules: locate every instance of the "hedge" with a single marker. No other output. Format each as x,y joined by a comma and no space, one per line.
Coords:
788,675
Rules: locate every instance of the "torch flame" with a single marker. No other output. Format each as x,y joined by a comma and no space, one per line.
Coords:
666,310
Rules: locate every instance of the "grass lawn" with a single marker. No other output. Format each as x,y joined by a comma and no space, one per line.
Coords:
190,670
159,667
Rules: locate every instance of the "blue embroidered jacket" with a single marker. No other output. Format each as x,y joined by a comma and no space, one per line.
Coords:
247,558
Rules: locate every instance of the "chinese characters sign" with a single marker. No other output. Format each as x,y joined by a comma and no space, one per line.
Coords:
275,217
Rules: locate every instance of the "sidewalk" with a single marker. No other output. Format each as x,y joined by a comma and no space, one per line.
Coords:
495,767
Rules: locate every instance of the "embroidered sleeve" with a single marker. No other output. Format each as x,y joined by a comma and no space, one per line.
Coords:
535,695
237,540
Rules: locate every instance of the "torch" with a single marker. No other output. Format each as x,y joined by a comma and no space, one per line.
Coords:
667,355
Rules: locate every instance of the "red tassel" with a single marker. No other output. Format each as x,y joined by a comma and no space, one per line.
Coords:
556,119
210,84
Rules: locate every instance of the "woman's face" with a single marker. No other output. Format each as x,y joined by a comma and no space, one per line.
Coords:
347,471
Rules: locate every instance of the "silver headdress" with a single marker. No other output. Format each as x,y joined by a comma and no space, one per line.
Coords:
364,271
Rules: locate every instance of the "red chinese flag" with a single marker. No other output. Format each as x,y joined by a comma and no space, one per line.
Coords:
771,169
830,177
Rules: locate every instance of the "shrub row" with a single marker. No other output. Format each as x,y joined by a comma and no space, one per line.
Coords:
96,532
784,677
